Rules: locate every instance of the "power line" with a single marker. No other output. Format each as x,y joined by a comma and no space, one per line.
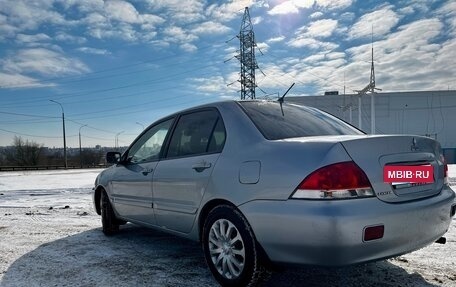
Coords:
27,115
148,82
35,136
140,110
97,72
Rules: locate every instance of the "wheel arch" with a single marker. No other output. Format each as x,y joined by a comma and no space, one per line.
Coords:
97,198
217,202
205,212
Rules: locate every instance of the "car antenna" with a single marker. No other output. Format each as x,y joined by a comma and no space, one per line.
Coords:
281,99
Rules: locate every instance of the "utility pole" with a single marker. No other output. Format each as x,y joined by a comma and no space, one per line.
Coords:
246,57
64,137
369,88
372,87
117,139
80,147
360,123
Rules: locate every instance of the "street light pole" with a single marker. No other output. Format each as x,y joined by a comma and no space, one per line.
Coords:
117,139
138,123
64,137
80,147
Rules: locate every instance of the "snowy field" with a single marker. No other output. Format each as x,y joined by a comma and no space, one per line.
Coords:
50,236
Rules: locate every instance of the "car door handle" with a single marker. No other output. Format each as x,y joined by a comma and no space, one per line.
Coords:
199,167
147,171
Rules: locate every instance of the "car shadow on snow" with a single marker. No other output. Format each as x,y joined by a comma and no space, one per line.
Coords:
143,257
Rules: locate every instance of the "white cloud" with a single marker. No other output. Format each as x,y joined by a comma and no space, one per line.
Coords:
448,9
229,10
275,39
347,16
382,21
311,43
122,11
406,10
257,20
150,21
315,15
177,34
188,47
67,38
29,15
334,4
448,12
43,61
177,11
210,85
284,8
335,55
306,36
25,39
89,50
121,20
315,58
415,35
211,28
291,7
11,81
84,6
407,59
322,28
101,27
216,85
6,30
264,47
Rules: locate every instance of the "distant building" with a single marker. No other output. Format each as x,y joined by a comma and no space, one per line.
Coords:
427,113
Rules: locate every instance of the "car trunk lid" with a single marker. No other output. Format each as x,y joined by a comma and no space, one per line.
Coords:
372,153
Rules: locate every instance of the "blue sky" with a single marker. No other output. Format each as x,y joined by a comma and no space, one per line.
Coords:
117,66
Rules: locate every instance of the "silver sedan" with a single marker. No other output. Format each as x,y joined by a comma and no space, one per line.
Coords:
262,183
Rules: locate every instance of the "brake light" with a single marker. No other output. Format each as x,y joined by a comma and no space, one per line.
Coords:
335,181
445,174
445,170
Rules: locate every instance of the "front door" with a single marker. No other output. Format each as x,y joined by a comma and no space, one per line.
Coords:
131,187
180,179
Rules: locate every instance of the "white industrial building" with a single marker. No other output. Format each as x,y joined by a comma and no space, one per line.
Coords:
427,113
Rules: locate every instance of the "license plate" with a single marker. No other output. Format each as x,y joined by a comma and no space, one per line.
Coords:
410,174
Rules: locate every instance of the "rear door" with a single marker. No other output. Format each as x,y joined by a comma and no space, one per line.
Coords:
131,187
180,179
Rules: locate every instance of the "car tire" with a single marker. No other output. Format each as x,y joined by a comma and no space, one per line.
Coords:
230,248
109,221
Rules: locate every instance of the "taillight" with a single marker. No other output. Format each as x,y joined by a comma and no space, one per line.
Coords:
335,181
445,170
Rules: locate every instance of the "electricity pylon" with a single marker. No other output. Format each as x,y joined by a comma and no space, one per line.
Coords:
246,57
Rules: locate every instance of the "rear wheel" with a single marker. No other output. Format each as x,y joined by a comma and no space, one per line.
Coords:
230,248
109,221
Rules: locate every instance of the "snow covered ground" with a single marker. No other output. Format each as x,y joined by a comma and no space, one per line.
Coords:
50,236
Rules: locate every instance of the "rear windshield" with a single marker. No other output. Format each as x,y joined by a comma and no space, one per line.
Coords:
295,121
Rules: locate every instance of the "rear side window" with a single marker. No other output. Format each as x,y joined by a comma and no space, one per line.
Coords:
197,133
292,121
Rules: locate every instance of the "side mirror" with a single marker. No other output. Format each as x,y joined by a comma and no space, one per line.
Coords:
113,157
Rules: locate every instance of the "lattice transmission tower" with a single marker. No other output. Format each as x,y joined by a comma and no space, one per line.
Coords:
246,57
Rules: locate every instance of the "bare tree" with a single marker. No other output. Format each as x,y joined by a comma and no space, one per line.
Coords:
24,153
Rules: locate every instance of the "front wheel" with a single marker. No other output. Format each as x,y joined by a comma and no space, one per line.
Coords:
230,248
108,218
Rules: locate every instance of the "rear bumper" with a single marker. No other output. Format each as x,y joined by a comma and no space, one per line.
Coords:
330,233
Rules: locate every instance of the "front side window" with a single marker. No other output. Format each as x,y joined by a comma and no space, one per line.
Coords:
148,146
197,133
